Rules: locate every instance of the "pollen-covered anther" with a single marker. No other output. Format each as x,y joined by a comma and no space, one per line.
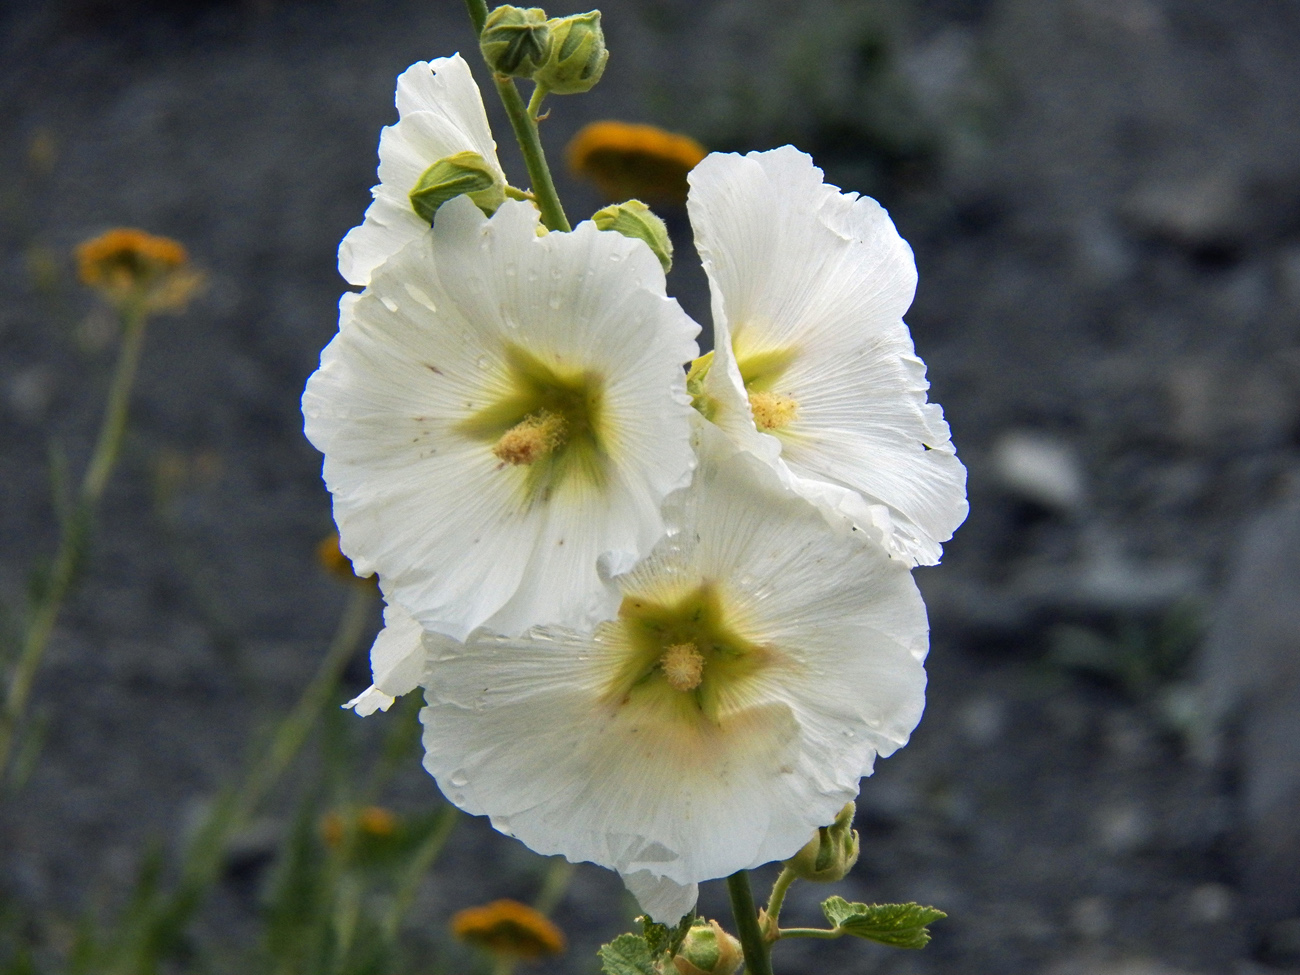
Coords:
531,439
772,411
683,666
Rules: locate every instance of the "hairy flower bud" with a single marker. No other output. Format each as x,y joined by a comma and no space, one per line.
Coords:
576,54
708,950
515,40
636,220
831,853
465,172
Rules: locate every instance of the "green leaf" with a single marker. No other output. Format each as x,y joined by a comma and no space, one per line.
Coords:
628,954
899,925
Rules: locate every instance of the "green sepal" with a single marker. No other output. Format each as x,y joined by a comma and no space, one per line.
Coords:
699,371
628,954
636,220
464,173
515,40
832,851
897,925
576,56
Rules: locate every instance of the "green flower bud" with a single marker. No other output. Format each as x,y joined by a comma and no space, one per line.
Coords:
515,41
576,57
636,220
465,172
708,950
831,853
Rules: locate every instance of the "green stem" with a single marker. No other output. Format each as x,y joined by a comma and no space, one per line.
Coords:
558,874
162,927
113,427
478,13
530,143
824,933
72,541
524,124
776,899
535,103
757,961
233,811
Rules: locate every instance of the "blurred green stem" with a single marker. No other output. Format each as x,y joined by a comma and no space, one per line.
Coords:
554,886
420,863
74,532
165,926
236,807
524,125
757,961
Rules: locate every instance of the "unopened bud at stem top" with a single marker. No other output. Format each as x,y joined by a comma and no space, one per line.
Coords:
515,40
576,54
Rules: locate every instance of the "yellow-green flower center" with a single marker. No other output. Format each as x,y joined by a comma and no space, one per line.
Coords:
760,371
685,656
547,422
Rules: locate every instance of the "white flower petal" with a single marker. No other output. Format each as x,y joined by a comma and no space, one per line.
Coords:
665,901
795,266
452,531
369,701
525,730
441,113
397,660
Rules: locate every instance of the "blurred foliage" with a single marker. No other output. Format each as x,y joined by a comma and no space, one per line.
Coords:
880,103
1140,656
334,902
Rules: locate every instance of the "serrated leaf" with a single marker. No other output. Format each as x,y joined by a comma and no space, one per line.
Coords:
898,925
628,954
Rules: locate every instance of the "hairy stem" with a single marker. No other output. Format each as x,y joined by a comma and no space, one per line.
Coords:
824,933
530,143
777,898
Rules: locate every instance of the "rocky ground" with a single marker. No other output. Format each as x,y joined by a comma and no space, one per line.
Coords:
1102,196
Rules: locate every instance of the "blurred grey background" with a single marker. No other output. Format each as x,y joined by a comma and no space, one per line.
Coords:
1104,201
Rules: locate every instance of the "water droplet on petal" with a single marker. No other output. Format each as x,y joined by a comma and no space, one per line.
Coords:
459,778
389,303
482,362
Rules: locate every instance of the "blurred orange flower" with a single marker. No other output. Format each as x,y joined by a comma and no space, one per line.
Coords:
634,161
508,927
134,269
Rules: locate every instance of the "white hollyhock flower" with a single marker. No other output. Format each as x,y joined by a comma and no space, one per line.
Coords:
440,114
760,660
498,412
814,369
